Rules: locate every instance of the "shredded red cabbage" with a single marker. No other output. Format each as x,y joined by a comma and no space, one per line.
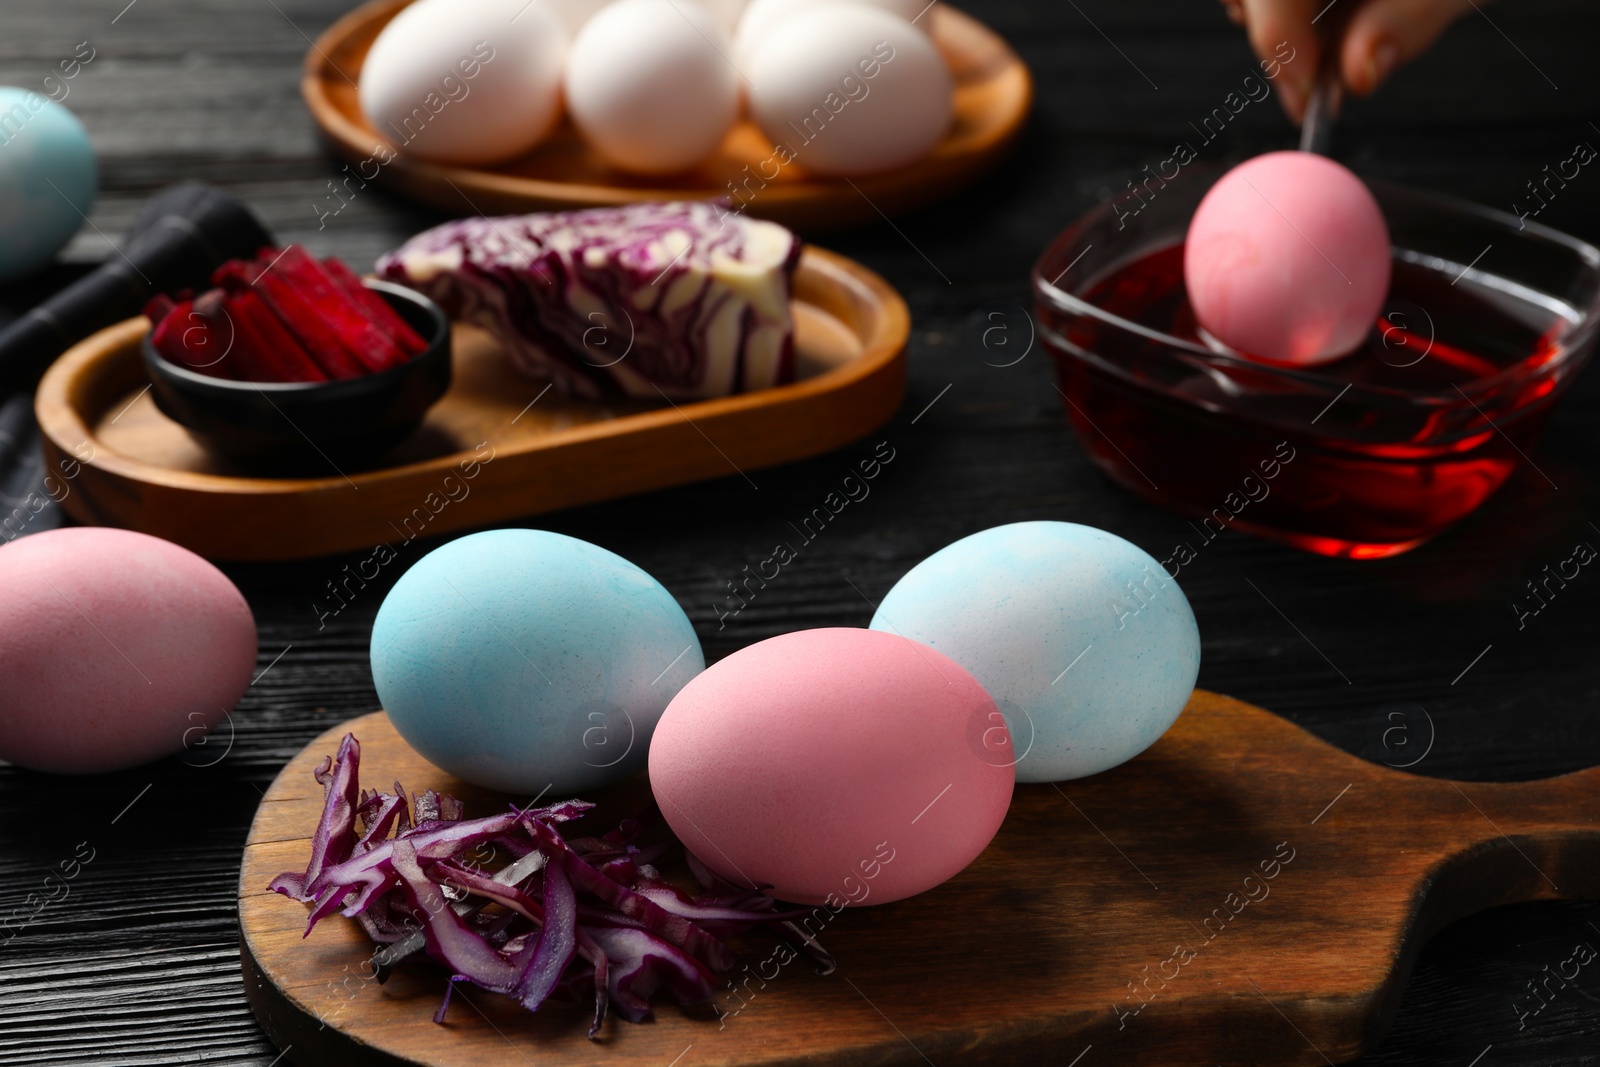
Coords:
581,916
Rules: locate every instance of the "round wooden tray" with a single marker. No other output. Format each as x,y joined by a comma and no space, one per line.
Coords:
993,94
1296,882
528,452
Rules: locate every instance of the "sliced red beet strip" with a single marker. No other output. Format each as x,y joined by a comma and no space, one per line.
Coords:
377,309
251,356
167,337
207,336
296,315
274,349
170,323
375,349
158,308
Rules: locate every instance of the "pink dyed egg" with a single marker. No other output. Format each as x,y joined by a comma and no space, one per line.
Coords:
837,766
1287,259
115,648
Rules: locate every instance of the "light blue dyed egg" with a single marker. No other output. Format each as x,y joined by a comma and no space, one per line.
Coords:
1086,644
47,180
527,661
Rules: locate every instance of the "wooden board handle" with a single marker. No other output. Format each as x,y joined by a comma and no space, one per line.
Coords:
1551,827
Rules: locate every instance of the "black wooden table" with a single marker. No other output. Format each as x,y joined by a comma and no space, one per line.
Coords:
139,965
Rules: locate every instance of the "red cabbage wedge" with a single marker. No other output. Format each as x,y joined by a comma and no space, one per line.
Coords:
680,300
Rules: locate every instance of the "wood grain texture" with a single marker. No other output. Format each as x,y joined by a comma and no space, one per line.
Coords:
1231,896
140,965
993,92
509,449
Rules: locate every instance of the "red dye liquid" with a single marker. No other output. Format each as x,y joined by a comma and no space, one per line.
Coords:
1445,398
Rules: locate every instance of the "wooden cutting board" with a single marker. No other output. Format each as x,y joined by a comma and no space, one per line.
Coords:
498,446
1240,894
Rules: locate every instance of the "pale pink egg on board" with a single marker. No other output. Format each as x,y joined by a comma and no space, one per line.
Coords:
1287,259
116,648
837,766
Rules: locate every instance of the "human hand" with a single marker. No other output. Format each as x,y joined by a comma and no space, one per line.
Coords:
1379,35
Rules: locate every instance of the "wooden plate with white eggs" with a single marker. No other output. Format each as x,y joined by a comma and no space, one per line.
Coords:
496,447
993,92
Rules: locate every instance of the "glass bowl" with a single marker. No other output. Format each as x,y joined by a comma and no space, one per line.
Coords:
1488,320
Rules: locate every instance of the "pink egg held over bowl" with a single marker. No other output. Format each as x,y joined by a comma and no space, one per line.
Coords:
1487,321
1287,259
836,766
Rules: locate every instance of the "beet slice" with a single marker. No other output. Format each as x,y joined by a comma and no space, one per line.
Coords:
198,334
170,321
158,307
294,312
375,307
374,348
167,335
271,350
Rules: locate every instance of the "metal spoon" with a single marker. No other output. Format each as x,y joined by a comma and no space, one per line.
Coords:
1316,129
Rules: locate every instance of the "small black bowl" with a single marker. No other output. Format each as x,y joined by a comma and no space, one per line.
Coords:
305,427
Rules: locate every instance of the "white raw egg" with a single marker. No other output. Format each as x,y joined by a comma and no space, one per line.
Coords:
849,89
759,16
727,13
466,83
574,14
650,86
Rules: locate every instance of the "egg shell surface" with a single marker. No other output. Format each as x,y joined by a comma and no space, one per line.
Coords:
838,766
726,14
524,660
650,87
466,83
1086,644
116,648
575,14
760,16
48,180
1287,258
850,89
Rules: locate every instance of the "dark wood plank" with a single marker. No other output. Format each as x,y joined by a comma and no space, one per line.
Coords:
139,965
